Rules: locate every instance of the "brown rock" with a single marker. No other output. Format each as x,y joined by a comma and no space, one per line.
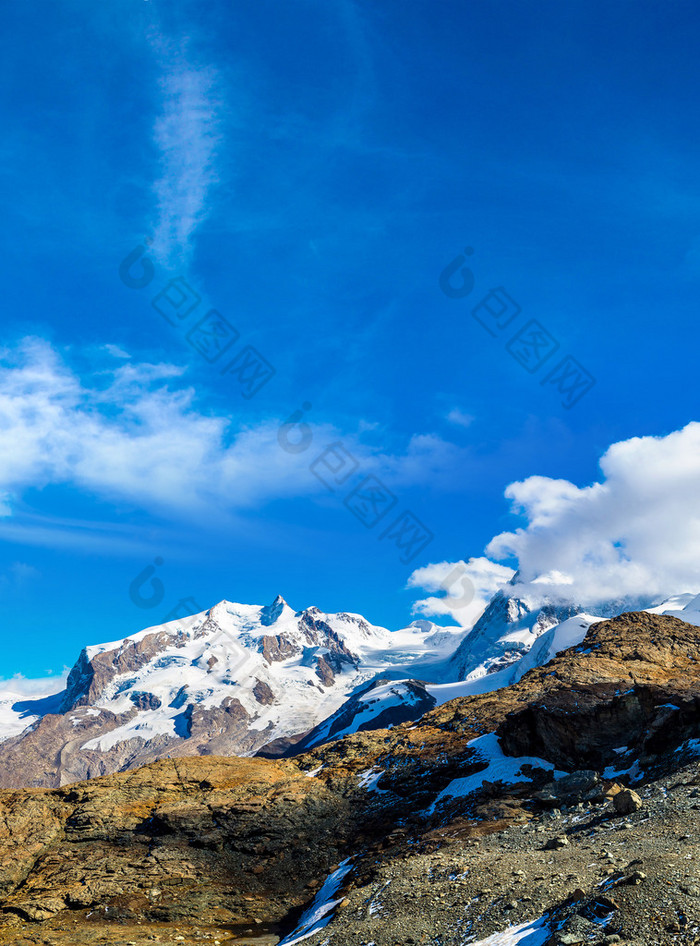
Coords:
263,693
626,802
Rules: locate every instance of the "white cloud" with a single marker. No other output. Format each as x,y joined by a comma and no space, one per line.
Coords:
135,434
30,688
18,575
132,436
467,588
460,418
187,134
116,351
635,534
429,460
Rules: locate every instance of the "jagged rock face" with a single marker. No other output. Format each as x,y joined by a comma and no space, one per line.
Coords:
226,681
505,631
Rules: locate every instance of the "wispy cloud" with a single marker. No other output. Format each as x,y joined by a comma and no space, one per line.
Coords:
116,351
187,133
460,418
18,576
134,433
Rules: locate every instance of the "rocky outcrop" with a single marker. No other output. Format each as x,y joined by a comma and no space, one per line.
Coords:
589,714
263,693
201,842
145,701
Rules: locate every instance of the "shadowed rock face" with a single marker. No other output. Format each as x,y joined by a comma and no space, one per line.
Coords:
222,843
206,841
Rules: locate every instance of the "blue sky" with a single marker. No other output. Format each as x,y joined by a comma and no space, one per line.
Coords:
310,170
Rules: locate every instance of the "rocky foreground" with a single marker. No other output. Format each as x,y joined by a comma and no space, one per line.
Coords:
508,809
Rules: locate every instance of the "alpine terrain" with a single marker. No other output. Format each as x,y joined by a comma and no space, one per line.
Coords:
559,809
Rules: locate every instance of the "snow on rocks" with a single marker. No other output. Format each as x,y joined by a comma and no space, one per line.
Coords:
500,768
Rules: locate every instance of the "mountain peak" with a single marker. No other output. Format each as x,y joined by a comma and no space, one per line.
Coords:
270,613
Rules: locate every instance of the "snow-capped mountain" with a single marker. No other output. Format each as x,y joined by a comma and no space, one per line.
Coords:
508,640
511,624
227,681
383,704
504,633
242,679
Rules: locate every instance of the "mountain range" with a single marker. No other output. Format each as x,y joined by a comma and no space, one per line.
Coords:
247,679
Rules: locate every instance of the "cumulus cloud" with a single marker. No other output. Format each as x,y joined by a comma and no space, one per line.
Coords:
635,534
631,538
466,588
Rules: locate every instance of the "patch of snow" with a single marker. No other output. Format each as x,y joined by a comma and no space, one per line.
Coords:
319,913
634,771
376,905
691,745
369,778
534,933
380,700
499,768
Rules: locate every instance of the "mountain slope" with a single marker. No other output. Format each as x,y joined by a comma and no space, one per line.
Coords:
505,644
383,704
504,633
510,626
226,681
493,816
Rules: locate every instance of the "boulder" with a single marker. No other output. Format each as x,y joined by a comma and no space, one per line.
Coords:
627,802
